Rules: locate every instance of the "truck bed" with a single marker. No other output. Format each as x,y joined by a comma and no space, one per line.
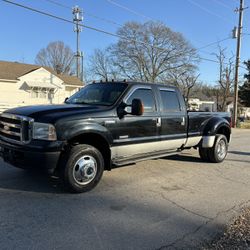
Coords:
197,120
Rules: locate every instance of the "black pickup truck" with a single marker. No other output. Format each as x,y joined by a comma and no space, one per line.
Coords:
109,124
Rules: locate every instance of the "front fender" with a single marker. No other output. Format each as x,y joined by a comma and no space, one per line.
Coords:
70,130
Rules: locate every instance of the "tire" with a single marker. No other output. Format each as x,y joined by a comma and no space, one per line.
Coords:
81,168
218,152
203,152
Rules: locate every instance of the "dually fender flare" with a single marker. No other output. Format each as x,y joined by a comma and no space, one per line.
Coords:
211,128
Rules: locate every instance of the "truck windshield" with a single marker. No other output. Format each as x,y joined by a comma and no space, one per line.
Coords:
98,94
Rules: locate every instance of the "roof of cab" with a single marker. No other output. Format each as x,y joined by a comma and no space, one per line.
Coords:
140,83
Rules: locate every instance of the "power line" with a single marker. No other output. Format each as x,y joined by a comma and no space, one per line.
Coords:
223,4
213,43
82,25
214,61
95,29
86,13
68,7
66,20
129,10
208,11
58,4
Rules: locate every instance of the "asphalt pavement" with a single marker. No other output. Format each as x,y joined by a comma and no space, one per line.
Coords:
178,202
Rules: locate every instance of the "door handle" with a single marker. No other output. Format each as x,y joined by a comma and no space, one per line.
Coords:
158,122
183,121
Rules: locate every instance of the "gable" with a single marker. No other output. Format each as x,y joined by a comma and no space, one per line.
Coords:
14,71
41,76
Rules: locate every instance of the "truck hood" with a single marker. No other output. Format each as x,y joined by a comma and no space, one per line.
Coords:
52,113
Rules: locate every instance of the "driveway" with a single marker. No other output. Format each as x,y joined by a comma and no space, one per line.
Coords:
172,203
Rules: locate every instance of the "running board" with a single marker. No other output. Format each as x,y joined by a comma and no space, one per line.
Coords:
126,161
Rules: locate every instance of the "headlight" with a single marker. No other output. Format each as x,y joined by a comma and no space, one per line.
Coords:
44,131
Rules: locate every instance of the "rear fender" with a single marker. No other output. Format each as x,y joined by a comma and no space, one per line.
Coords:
216,125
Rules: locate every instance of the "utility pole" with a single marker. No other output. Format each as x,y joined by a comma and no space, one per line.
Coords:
77,12
82,66
236,78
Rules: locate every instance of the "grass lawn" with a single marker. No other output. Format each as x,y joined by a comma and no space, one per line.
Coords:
245,124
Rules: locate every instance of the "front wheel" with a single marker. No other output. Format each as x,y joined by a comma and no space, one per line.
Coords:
219,151
82,168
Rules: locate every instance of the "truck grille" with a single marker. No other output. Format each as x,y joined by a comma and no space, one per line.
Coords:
15,128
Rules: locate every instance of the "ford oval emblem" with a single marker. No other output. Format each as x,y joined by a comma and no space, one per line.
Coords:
7,128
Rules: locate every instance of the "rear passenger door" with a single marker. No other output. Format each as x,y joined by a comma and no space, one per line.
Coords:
173,119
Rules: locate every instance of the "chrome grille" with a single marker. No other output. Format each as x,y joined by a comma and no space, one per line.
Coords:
15,128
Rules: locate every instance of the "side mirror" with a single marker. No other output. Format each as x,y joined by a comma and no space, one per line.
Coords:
137,107
65,100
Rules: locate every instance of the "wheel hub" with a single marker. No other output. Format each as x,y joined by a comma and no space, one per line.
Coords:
85,169
222,149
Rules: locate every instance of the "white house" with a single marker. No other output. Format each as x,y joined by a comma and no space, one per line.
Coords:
26,84
198,105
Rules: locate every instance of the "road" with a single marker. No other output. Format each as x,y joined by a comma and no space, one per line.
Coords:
172,203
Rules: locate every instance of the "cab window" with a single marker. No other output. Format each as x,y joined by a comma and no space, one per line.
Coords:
170,101
147,98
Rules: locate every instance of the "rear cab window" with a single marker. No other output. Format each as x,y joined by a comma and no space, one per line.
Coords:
170,101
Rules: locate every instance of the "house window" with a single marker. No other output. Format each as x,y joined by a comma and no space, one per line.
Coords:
34,93
42,94
39,93
51,94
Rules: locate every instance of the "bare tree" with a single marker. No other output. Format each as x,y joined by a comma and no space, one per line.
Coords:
101,65
185,81
225,82
204,91
152,52
58,56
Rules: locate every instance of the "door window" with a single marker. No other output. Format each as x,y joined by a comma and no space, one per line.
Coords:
170,101
147,98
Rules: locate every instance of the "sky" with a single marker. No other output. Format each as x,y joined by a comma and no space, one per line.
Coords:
202,22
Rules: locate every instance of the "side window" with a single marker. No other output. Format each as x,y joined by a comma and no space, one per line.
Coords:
170,101
147,98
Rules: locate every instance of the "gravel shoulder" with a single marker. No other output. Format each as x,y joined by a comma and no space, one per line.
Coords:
236,235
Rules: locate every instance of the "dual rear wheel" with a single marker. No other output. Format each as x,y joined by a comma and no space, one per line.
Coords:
218,152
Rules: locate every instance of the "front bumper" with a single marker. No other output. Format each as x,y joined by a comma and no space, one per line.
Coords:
35,155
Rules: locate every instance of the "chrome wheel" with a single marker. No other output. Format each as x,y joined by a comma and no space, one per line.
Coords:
222,149
84,170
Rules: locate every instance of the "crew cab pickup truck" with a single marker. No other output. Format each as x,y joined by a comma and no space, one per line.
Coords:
109,124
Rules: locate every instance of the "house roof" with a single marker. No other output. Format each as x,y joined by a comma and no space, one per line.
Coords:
14,70
71,80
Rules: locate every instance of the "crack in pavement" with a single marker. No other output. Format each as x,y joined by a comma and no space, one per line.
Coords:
178,205
229,179
183,208
240,206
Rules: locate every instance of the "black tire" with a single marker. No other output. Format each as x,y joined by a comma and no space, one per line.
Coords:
218,152
81,168
203,152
